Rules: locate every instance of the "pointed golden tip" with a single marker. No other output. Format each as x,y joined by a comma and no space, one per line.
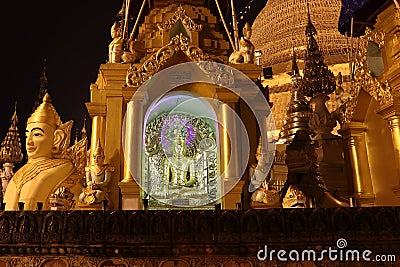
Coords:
47,98
45,113
98,151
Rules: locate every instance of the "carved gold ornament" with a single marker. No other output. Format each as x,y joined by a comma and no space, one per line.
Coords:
137,76
181,15
363,78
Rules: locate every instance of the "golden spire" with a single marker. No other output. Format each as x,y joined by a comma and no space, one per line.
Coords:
299,110
43,87
76,136
98,151
10,150
46,113
317,78
83,131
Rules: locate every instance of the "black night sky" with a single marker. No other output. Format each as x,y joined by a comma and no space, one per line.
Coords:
73,37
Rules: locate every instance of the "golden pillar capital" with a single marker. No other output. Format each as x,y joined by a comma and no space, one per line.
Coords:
227,96
394,122
96,109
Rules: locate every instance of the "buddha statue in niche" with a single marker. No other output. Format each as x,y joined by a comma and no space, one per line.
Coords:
46,140
180,167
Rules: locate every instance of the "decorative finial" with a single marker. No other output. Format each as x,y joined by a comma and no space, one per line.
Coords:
310,28
14,118
317,78
47,98
83,131
43,78
42,89
299,111
10,150
295,69
76,136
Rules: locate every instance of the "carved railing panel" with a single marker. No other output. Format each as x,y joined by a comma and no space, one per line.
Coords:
188,233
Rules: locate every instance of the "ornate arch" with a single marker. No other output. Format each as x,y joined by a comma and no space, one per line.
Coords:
363,78
137,76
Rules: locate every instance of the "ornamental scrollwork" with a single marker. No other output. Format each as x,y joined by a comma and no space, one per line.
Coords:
364,79
138,75
181,15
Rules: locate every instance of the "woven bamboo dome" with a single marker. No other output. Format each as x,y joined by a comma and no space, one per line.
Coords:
281,25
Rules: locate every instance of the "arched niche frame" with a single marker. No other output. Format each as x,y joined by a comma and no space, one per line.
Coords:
367,74
186,177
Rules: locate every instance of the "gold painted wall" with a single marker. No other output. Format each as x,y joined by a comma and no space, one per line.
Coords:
381,157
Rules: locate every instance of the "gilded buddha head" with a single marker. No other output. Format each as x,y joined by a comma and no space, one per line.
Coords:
46,135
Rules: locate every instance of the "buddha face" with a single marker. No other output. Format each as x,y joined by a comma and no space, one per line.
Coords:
98,159
39,140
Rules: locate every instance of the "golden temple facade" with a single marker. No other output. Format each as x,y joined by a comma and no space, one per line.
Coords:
189,164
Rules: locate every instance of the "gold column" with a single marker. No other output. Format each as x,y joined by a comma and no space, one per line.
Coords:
391,113
113,145
225,140
98,114
354,139
229,138
355,163
130,190
394,125
133,141
230,148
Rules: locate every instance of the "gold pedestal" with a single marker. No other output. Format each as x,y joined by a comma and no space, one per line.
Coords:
233,197
130,192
